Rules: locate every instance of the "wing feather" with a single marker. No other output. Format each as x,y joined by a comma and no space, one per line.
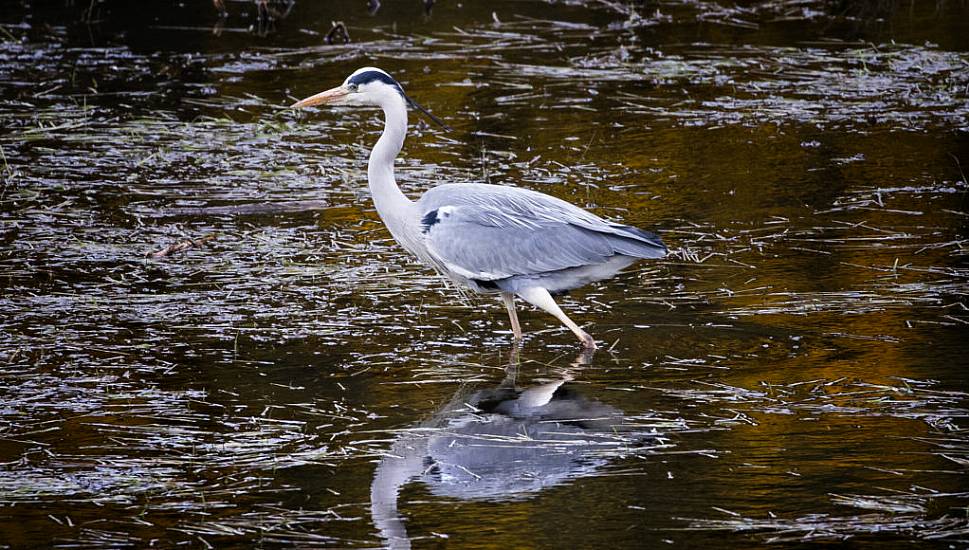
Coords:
490,232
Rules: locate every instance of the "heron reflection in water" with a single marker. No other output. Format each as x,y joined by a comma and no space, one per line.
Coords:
502,443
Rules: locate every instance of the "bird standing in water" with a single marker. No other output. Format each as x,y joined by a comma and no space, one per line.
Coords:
493,239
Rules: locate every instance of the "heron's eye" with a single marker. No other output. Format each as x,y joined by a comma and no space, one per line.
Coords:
352,87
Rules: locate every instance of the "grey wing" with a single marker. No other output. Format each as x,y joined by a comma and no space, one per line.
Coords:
488,233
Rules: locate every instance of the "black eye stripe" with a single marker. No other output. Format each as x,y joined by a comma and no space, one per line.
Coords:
367,77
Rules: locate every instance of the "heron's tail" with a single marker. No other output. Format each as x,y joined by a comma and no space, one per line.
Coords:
633,241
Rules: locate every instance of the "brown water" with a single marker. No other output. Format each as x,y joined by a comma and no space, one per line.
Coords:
795,372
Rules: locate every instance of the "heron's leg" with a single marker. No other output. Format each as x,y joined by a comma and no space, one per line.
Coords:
509,300
539,297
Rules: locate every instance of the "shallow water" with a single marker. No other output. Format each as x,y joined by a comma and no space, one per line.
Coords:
794,372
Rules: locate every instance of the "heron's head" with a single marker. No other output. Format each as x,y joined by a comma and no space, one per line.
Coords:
368,86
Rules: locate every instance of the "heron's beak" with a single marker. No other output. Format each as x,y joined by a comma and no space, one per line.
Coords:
330,96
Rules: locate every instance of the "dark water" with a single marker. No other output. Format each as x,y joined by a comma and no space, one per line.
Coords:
794,373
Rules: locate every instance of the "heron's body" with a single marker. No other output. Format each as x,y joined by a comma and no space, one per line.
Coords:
490,238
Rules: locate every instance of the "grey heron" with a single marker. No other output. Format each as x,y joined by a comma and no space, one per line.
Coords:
493,239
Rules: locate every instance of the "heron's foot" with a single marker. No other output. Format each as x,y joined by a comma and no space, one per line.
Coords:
588,342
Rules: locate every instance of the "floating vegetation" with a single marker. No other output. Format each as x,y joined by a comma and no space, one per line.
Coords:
892,85
822,527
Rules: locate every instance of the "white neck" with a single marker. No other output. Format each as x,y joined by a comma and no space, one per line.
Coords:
393,206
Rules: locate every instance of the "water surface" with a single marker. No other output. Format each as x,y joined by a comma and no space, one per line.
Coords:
794,372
